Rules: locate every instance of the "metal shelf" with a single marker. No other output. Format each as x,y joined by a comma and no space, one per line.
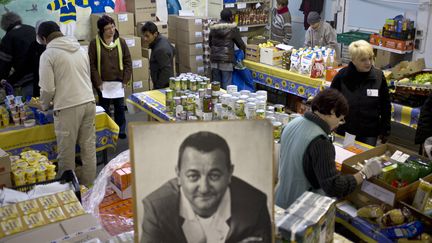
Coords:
391,50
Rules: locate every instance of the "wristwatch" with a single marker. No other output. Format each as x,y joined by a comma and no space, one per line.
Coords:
363,175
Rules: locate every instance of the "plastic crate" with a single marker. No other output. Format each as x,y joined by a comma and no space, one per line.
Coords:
68,176
348,37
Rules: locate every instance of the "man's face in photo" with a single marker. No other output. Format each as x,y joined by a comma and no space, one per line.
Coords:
204,178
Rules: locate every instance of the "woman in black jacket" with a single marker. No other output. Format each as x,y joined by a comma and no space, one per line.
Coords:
365,88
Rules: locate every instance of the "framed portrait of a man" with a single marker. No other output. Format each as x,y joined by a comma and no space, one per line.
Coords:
198,182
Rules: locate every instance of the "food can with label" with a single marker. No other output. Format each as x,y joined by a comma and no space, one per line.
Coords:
177,86
193,85
231,89
245,92
240,109
169,93
207,104
261,105
216,86
260,114
183,100
218,112
250,110
262,93
184,84
277,130
172,83
279,108
270,108
236,94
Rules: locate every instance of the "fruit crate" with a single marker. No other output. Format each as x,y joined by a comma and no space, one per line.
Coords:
349,37
67,177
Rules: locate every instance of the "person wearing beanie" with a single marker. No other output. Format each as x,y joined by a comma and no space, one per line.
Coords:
223,36
281,23
320,33
161,58
18,51
65,81
110,61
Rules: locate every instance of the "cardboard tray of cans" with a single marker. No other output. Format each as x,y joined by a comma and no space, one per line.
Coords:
67,177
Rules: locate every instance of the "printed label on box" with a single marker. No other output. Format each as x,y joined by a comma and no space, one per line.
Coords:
229,5
200,69
122,17
378,192
137,64
199,58
243,29
198,34
241,5
198,21
137,84
130,42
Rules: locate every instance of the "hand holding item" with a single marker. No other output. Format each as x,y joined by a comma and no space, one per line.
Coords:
371,168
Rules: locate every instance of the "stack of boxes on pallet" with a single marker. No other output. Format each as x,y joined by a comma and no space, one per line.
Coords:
187,34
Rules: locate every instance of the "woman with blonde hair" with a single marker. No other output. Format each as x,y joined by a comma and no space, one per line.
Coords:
366,90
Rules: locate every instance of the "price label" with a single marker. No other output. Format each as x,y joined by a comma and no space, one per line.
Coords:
198,21
257,5
136,63
378,192
122,17
198,34
241,5
198,46
130,42
229,5
243,28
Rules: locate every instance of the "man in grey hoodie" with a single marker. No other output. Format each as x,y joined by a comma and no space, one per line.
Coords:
65,80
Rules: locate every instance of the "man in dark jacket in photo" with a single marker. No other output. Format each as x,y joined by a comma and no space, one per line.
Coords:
223,36
162,54
19,53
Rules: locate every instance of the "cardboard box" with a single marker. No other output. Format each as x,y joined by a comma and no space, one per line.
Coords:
5,163
123,21
189,37
144,16
375,190
141,86
190,49
385,58
172,32
132,5
140,69
5,180
146,52
270,57
191,61
122,193
186,69
190,24
172,20
134,44
56,231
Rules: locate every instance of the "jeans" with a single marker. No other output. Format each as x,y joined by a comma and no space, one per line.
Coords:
119,110
368,140
224,77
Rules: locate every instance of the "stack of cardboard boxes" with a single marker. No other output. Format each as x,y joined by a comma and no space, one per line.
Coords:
5,169
188,32
126,25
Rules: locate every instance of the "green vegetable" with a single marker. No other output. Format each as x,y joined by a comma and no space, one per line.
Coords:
423,78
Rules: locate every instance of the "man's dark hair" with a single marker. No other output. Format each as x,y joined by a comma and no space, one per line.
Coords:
46,28
205,142
328,100
10,20
226,15
104,21
150,27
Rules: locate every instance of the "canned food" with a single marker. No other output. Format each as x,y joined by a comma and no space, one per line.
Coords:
261,98
50,169
271,118
225,98
30,173
193,85
172,83
277,130
231,89
207,104
206,80
215,86
177,100
184,84
279,108
262,93
169,105
236,94
202,85
191,104
51,176
260,114
250,110
270,108
270,113
245,92
232,103
240,109
261,105
177,86
40,170
209,91
169,93
253,100
183,100
41,178
218,112
253,95
19,177
284,118
215,98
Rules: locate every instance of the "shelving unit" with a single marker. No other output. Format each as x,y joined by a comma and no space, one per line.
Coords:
391,50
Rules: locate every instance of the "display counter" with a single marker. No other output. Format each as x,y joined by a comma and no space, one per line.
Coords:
42,137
